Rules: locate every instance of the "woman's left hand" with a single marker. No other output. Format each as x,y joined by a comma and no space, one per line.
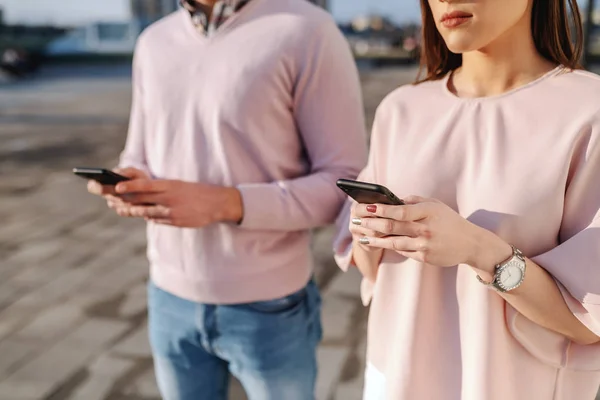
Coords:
425,230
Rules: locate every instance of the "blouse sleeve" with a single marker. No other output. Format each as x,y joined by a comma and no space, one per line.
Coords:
343,240
574,263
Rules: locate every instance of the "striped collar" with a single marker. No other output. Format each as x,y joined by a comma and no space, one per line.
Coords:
222,10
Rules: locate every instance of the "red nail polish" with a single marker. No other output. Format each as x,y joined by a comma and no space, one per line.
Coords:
372,209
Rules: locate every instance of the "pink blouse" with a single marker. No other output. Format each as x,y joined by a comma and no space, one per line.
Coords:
525,165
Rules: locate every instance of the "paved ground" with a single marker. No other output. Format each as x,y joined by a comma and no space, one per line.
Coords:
72,275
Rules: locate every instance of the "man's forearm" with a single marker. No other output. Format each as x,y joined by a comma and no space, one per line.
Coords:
297,204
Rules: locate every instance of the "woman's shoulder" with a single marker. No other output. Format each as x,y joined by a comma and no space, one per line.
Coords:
580,75
579,85
411,96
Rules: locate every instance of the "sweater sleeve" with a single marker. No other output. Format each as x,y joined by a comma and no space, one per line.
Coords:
329,116
134,154
574,263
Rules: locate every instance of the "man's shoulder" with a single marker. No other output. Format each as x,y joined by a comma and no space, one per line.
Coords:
162,28
305,8
304,13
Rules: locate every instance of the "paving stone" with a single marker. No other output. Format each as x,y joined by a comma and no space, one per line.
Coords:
52,224
59,288
15,317
349,391
346,284
322,244
89,230
51,323
103,374
16,390
44,373
9,294
37,251
353,388
135,302
143,387
33,275
124,275
330,361
12,351
96,270
7,267
136,344
25,257
16,229
88,298
336,317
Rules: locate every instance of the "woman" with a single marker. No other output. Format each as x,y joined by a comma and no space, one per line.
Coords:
498,146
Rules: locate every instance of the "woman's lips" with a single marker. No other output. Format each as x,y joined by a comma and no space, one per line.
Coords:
455,19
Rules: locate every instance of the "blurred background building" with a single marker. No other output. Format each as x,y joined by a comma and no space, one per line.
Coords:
147,11
322,3
77,29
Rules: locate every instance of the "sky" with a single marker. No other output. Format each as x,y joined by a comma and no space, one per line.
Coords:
78,11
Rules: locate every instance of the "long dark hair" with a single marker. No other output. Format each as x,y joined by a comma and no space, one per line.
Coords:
555,25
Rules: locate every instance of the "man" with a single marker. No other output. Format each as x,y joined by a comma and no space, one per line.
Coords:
244,115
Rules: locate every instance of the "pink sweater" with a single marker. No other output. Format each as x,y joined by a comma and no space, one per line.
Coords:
525,165
270,104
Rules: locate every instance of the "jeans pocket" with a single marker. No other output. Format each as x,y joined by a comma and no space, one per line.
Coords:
280,305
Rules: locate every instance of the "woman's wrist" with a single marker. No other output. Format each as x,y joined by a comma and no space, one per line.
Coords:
488,251
367,260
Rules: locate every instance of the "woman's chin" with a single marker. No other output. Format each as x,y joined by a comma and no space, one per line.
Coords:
461,45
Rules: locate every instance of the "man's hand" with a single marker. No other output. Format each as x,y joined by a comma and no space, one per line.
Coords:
108,191
181,204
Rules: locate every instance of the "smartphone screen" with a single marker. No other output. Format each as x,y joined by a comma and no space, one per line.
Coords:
369,193
100,175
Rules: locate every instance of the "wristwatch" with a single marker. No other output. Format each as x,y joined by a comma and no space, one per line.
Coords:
509,274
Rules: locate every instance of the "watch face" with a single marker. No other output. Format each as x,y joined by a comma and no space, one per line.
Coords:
510,276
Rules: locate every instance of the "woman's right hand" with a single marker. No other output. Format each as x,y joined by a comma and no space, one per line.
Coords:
366,258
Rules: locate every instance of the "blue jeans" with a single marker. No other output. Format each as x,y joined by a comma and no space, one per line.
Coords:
270,346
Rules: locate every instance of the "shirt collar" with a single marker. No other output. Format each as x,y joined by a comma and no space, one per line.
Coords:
193,7
200,17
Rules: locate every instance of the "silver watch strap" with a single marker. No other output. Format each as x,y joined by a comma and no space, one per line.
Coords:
515,253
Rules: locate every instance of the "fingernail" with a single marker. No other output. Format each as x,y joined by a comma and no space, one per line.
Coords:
363,240
356,221
372,209
120,188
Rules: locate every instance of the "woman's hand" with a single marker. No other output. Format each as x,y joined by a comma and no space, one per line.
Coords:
359,230
366,258
425,230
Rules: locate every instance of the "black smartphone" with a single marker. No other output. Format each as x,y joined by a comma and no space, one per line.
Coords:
100,175
369,193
